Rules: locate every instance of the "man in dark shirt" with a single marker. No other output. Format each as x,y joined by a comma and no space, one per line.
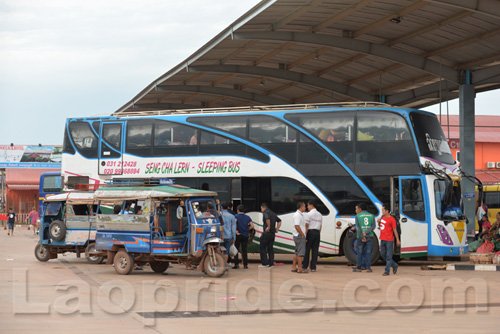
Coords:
243,224
12,220
271,225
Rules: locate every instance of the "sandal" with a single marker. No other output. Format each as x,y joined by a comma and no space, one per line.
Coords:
357,270
369,270
294,271
302,272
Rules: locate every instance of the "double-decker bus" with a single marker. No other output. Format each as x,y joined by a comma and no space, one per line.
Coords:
50,184
338,155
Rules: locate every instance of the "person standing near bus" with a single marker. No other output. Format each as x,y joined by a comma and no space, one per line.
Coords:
11,221
271,225
33,219
229,229
314,222
364,225
243,224
299,237
388,230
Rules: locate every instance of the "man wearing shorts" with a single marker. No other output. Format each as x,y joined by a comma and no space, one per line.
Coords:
12,220
299,237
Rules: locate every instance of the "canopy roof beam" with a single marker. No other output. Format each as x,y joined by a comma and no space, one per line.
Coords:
288,76
382,51
224,92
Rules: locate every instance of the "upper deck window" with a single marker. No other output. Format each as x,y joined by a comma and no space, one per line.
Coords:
369,142
67,146
84,138
384,138
430,138
139,133
334,129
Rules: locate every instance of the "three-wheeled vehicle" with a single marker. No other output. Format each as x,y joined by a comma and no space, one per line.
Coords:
160,225
67,225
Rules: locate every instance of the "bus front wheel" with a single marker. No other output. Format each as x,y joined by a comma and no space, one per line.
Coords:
351,252
123,262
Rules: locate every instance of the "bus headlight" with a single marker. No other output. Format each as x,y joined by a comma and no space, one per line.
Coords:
213,229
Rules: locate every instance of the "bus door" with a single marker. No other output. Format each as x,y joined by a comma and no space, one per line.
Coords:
110,149
410,206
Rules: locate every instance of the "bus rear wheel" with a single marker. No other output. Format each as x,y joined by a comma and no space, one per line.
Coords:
41,253
159,266
351,252
123,262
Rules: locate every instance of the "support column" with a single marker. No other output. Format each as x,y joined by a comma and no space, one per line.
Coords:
466,97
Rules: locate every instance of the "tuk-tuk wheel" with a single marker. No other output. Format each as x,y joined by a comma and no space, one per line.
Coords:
41,253
93,259
216,269
123,262
57,230
159,266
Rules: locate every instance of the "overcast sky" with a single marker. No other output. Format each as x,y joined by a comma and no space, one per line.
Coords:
67,58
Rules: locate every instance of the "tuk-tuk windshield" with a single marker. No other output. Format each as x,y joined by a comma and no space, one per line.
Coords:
53,208
204,209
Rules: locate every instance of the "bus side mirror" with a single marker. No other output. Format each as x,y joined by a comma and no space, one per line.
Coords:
180,212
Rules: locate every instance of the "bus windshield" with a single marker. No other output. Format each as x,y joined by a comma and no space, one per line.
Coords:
430,138
449,205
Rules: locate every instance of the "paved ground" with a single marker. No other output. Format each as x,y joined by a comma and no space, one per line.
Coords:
68,294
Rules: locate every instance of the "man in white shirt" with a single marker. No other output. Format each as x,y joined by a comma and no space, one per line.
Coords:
299,237
314,222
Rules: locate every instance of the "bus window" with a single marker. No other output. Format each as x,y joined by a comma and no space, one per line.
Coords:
111,133
430,138
139,137
492,199
383,137
283,194
173,139
344,193
275,136
334,129
67,146
412,199
218,184
84,139
212,144
236,125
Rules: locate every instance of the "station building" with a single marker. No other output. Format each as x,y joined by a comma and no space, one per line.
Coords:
20,170
487,145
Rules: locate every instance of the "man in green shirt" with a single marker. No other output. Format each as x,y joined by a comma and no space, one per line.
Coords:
365,225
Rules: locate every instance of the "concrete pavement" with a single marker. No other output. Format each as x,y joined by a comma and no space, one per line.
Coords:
71,295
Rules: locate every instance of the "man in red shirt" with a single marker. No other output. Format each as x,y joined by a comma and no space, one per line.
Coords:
388,229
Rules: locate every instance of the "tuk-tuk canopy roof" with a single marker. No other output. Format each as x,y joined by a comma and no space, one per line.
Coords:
145,192
72,197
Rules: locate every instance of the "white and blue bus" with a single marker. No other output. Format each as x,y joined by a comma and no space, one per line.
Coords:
338,155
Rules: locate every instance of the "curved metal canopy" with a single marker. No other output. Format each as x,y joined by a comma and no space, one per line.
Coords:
404,52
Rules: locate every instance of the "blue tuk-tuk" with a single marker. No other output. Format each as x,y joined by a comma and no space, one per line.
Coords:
67,224
159,225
